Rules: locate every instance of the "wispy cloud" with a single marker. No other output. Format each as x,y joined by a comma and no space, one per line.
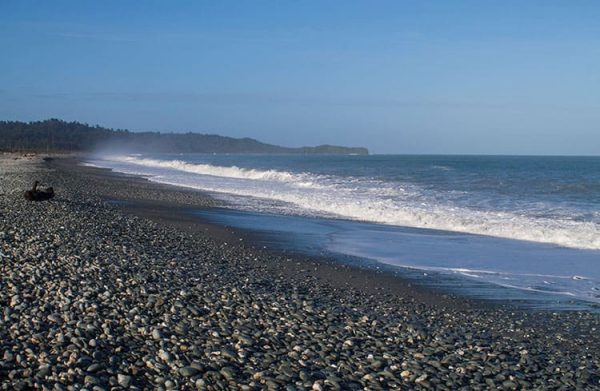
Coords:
82,31
241,98
99,36
72,31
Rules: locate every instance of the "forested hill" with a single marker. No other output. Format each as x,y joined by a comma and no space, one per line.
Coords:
58,135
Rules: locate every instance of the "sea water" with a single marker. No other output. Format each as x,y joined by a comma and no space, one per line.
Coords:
526,223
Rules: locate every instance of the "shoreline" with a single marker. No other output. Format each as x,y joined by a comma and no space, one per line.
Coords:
106,295
338,269
326,269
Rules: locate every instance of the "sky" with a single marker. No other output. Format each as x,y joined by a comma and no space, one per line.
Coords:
482,77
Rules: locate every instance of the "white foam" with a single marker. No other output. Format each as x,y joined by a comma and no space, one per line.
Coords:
87,164
360,199
207,169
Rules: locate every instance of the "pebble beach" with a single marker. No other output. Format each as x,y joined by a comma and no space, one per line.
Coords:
102,288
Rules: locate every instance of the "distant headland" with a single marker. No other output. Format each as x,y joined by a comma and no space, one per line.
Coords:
54,135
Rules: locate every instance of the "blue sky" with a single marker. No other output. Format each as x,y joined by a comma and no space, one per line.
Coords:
502,77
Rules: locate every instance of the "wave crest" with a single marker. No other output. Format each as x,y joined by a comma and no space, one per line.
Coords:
360,199
208,169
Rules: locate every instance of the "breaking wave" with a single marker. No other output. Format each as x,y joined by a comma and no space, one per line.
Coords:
360,198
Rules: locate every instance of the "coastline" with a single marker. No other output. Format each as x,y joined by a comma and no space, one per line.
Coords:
417,247
172,205
246,317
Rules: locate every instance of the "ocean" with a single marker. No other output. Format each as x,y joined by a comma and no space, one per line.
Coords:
526,223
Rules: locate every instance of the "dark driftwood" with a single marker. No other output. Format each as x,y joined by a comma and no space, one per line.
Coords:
39,195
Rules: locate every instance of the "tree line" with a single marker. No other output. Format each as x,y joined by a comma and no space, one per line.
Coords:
54,135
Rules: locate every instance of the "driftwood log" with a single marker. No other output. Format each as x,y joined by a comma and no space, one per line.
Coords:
39,195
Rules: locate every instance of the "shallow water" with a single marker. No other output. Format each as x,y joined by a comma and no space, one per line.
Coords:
472,265
529,223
